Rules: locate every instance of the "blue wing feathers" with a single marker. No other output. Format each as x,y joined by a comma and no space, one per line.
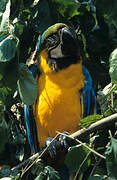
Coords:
29,128
88,94
34,70
29,119
39,47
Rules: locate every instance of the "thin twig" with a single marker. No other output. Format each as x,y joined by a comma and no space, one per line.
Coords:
96,164
110,133
112,100
19,166
35,157
75,178
92,150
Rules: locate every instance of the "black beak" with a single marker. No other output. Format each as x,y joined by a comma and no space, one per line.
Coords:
67,33
69,43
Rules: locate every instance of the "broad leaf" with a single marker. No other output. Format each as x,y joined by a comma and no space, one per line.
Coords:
70,7
75,157
111,158
9,75
5,18
7,174
113,66
8,48
19,28
97,177
3,36
37,167
65,8
6,96
48,173
27,3
108,9
41,17
3,129
89,120
3,6
27,85
104,98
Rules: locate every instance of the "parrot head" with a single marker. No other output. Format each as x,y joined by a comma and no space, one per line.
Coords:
61,45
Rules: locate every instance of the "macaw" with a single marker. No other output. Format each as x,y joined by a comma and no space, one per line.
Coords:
65,92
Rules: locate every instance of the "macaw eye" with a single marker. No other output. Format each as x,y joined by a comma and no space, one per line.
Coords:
52,41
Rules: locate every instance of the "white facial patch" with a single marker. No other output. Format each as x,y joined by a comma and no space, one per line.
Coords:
56,52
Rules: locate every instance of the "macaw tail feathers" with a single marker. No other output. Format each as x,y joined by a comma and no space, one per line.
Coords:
29,119
31,129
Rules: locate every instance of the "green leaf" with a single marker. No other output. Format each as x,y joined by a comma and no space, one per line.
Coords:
65,8
8,174
10,76
108,9
5,18
113,66
37,168
8,82
8,48
75,157
27,85
89,120
3,131
108,112
20,153
4,93
48,173
3,6
27,3
3,36
104,98
5,172
111,158
97,177
41,17
19,29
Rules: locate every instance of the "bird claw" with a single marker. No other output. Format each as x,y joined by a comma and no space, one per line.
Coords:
64,140
52,147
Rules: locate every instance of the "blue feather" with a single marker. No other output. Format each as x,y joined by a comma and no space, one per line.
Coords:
29,128
29,119
39,48
88,94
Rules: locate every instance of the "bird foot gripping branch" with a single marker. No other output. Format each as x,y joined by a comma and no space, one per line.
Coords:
55,144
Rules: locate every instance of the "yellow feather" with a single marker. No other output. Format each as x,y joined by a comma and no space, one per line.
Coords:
59,103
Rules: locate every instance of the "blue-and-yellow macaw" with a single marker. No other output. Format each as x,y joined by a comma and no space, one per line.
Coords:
65,92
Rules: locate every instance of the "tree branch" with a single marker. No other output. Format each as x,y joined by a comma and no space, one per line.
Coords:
101,124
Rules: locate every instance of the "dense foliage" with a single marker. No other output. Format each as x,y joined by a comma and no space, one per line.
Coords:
21,23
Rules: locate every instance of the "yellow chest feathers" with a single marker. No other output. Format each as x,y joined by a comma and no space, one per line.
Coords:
59,102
